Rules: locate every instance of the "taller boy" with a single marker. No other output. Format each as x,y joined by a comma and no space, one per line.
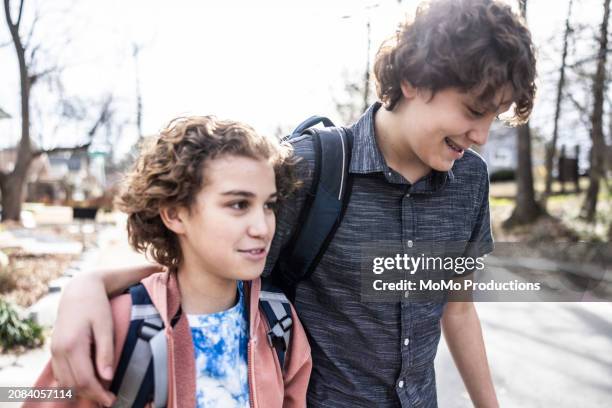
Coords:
442,81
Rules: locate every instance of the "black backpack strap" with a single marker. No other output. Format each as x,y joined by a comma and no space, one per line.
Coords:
309,123
142,372
324,206
277,311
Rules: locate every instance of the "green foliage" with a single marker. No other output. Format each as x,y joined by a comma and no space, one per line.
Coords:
16,332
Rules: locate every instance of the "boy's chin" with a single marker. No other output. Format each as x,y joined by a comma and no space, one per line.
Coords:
250,275
442,165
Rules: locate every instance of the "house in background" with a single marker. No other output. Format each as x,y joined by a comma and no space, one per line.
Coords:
500,152
63,177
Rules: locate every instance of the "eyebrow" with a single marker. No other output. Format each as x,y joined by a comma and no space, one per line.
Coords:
243,193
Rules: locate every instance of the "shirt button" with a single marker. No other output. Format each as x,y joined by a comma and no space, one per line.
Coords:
400,384
410,243
389,174
406,341
406,294
407,195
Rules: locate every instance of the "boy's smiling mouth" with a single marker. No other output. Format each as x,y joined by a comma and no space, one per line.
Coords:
255,254
455,147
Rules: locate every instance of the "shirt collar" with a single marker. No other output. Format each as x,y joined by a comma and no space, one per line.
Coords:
367,158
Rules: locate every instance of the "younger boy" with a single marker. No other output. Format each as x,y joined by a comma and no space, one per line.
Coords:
201,201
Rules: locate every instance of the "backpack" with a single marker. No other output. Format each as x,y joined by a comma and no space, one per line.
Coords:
142,372
325,203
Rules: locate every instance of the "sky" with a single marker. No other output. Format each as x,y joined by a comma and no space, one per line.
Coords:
267,63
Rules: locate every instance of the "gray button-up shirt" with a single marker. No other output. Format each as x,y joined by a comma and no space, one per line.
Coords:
380,354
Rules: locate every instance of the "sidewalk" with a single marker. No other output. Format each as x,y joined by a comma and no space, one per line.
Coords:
113,251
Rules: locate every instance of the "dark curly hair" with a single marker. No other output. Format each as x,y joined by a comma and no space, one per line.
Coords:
171,170
472,45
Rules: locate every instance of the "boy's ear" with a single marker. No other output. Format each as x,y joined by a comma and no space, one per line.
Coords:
408,90
173,219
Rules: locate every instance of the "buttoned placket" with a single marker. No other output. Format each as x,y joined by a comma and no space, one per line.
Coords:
408,234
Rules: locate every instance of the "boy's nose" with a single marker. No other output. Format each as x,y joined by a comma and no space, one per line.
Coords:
259,226
479,134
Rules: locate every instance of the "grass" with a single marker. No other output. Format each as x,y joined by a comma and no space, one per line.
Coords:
564,207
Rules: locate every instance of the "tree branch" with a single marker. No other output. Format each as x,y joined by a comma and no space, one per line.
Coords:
584,113
103,117
576,104
7,14
36,76
20,13
588,59
33,52
31,32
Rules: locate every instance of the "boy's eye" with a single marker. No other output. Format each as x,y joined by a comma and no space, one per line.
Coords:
475,112
240,205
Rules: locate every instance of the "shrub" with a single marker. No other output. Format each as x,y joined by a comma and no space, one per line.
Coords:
17,332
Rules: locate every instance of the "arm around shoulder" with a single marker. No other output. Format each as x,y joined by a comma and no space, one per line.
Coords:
88,393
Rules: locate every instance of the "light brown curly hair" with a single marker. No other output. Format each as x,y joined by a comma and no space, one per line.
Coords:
171,171
474,45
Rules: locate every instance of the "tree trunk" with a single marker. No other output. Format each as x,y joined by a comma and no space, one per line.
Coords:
551,148
527,209
596,171
12,196
366,76
13,183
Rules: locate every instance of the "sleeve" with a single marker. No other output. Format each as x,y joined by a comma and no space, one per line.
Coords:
121,308
290,209
299,367
47,380
481,238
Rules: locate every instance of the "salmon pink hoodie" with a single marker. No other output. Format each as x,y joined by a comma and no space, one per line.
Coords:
268,385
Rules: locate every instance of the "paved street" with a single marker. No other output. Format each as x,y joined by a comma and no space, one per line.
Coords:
541,355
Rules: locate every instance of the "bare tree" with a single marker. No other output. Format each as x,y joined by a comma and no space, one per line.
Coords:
351,104
550,151
596,171
351,108
12,182
366,76
527,208
135,53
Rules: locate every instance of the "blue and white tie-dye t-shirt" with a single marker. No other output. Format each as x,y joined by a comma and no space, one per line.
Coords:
220,341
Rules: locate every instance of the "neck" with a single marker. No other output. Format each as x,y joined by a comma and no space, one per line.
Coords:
204,293
394,143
